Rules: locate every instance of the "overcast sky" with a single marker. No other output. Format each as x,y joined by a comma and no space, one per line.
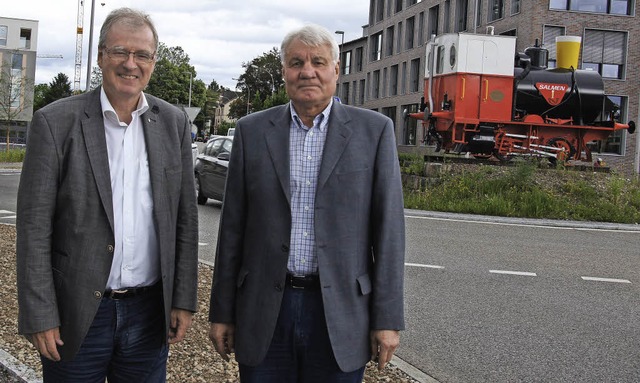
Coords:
218,35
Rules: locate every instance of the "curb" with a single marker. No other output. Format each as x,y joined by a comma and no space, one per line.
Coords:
17,370
413,372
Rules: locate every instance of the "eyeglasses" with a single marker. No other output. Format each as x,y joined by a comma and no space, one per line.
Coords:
121,55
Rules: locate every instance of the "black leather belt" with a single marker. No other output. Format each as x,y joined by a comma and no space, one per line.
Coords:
131,291
309,282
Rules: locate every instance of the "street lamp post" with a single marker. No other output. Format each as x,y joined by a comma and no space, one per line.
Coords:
341,33
190,81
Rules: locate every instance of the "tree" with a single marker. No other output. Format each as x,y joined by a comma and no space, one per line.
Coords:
59,88
14,91
38,96
96,77
261,81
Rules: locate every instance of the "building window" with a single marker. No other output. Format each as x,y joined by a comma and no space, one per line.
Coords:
385,81
461,15
354,85
549,35
390,40
433,21
390,112
614,7
604,51
515,7
379,10
410,32
361,91
409,133
447,16
403,86
25,38
359,55
615,143
421,28
375,85
345,93
398,6
346,59
399,37
3,35
495,12
16,80
415,75
479,13
376,46
394,80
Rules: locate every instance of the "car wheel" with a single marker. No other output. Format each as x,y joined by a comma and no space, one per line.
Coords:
199,196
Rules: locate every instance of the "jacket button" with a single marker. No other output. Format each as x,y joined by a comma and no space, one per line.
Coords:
110,248
278,287
285,248
97,294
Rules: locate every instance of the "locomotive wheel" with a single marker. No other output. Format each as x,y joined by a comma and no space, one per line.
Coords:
481,156
566,154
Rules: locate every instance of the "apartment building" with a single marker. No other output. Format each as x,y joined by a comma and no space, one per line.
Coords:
18,47
384,69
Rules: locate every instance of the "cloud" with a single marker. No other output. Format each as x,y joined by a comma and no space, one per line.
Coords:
218,35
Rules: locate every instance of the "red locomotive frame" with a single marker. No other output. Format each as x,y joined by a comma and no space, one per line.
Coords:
480,103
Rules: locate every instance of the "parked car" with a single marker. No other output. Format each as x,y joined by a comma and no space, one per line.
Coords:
211,169
231,131
194,152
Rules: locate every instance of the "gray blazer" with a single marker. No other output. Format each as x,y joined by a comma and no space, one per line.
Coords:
359,228
65,234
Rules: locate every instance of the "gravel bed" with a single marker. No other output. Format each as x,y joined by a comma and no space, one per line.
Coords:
192,360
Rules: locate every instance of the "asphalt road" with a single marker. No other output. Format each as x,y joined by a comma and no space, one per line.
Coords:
503,300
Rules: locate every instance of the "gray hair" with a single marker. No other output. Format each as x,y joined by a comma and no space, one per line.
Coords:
130,17
311,35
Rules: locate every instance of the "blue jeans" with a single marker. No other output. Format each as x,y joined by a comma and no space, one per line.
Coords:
300,351
124,344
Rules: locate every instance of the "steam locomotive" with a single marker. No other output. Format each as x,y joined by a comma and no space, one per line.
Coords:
482,98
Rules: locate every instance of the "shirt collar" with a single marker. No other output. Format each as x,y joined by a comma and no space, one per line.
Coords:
110,113
321,119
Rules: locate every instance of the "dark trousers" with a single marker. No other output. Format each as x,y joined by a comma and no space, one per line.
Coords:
124,344
300,351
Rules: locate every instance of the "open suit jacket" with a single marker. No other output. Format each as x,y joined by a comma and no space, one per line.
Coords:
359,231
65,231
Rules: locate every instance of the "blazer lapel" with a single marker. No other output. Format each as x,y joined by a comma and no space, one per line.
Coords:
277,140
338,136
154,142
94,137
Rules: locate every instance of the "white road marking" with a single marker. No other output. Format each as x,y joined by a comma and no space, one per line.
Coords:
6,212
523,225
614,280
524,273
425,266
203,244
9,217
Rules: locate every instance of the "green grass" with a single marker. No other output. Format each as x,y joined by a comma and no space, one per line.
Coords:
12,155
527,191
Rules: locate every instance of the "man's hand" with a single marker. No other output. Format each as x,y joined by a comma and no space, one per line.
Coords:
180,323
222,336
47,342
383,344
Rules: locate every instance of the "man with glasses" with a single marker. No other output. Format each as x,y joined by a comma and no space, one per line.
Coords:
107,221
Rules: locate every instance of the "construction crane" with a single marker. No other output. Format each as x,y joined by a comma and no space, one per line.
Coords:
76,79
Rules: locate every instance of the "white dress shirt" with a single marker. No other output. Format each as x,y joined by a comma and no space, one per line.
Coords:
136,260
